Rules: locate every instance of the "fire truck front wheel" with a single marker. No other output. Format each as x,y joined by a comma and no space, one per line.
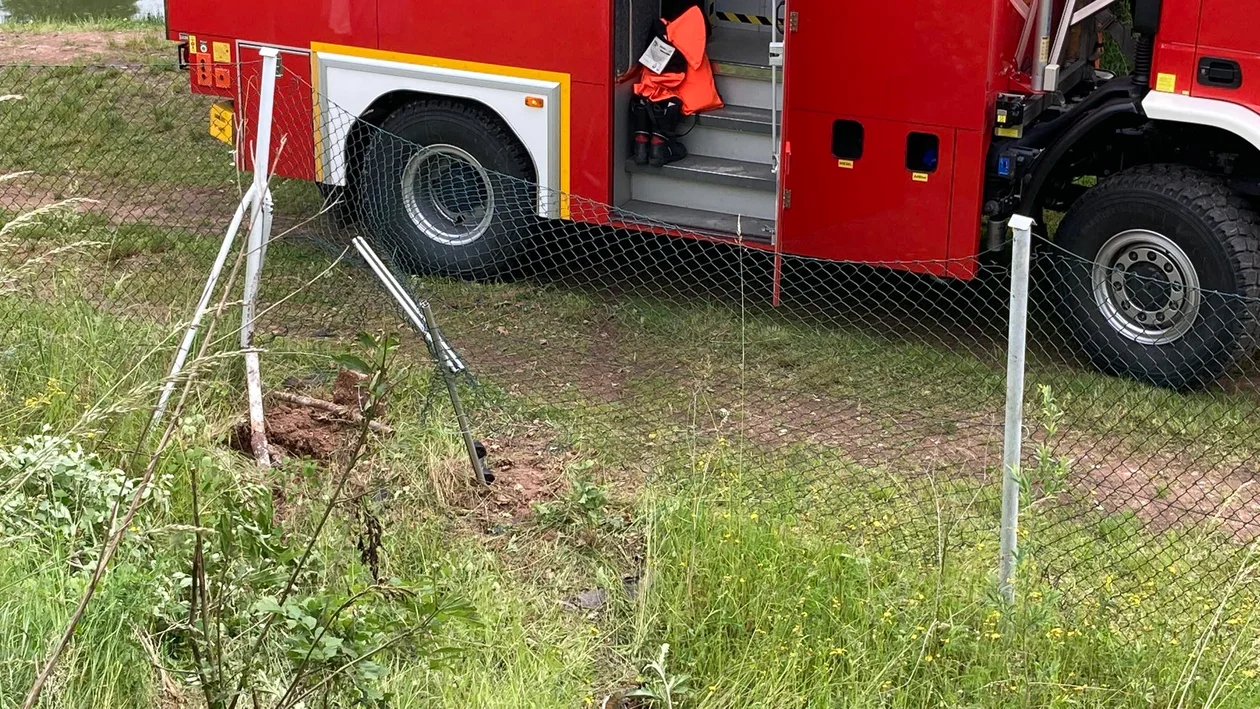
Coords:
447,188
1161,276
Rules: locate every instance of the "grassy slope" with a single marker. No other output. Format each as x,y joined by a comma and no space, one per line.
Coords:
148,25
762,605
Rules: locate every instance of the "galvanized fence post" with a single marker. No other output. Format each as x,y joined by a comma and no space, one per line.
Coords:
1014,428
420,315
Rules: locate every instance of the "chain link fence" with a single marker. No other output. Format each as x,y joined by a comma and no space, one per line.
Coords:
865,401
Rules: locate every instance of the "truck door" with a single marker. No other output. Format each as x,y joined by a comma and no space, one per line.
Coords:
874,94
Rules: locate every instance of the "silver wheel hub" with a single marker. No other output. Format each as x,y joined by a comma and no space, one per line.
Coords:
1146,287
448,195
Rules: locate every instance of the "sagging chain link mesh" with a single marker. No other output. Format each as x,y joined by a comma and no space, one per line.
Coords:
867,400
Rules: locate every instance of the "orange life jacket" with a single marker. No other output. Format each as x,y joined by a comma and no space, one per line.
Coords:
695,86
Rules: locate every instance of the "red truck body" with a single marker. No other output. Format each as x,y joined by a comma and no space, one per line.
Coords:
898,67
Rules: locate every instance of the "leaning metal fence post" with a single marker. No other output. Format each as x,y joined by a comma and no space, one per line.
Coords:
202,305
421,318
1014,431
453,387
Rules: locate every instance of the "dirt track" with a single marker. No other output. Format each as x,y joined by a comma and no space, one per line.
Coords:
80,46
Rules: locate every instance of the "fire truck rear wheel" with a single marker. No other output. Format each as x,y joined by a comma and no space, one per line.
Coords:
1162,276
447,189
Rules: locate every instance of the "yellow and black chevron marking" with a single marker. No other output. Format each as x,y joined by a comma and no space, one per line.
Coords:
742,18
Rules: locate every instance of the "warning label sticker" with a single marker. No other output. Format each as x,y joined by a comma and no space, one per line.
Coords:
658,54
222,53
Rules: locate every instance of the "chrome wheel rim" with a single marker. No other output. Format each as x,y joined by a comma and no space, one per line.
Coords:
1146,287
448,195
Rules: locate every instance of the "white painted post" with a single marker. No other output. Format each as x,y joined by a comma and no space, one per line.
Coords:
202,305
258,236
1012,445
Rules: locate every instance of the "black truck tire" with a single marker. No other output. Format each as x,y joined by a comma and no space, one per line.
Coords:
1161,279
448,189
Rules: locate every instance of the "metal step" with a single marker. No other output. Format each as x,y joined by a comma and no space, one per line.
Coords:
742,89
698,220
716,171
738,45
745,146
670,191
735,132
744,119
707,184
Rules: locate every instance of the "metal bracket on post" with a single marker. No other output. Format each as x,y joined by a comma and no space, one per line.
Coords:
1051,79
260,222
1012,444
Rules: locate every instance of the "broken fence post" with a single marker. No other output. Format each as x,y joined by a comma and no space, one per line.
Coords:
421,318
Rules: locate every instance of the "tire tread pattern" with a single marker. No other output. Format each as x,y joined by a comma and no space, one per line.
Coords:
1227,215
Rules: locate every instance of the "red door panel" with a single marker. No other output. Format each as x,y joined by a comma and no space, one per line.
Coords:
1228,24
293,132
922,61
1248,94
1179,21
966,202
876,211
292,23
1228,30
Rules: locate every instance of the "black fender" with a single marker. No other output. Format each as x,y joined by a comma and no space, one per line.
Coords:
1081,125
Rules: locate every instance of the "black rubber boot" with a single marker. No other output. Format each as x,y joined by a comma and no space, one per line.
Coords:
666,115
666,150
641,130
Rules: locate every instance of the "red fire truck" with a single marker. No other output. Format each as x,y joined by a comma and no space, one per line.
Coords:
902,133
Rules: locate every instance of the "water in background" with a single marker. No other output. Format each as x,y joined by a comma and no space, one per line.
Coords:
26,10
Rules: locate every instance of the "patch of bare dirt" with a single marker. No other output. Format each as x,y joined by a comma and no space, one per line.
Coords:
601,374
165,205
350,390
305,432
1166,486
68,47
527,470
296,431
302,431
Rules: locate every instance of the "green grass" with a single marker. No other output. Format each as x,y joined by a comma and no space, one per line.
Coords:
42,24
794,612
762,604
117,126
106,666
